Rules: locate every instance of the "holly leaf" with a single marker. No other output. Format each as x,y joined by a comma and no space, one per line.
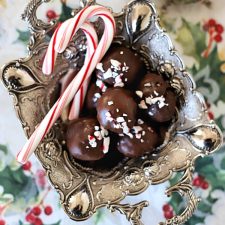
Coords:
216,73
58,223
192,38
24,36
18,184
98,216
66,13
4,149
223,164
195,220
204,207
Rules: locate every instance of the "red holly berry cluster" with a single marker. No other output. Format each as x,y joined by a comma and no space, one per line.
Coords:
33,216
215,30
200,182
51,14
168,211
2,222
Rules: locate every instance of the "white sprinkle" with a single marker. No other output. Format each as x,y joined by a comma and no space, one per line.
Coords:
96,97
160,100
140,121
138,136
97,128
108,74
156,93
139,94
87,147
110,103
143,105
137,129
100,67
125,114
120,119
121,135
117,110
129,121
98,135
147,85
125,79
121,53
116,64
143,133
142,141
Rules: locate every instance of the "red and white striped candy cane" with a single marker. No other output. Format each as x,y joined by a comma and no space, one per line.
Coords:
92,41
79,80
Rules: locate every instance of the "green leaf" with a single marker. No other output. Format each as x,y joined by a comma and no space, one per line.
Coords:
223,163
195,220
58,223
192,38
176,202
4,148
66,13
18,184
204,207
24,36
98,216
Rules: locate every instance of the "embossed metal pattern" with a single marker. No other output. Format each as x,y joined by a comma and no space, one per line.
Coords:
82,191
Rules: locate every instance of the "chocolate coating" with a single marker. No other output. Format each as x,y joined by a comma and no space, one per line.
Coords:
78,138
93,95
152,84
116,110
142,142
120,62
167,112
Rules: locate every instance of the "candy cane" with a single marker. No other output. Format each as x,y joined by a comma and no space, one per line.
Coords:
60,42
92,38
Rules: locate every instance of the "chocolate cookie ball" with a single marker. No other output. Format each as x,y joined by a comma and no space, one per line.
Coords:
120,67
164,109
93,95
116,110
144,140
151,85
84,139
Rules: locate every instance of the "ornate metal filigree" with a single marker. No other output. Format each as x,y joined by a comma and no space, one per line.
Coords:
83,190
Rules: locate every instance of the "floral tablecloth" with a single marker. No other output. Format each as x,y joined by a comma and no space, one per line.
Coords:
197,29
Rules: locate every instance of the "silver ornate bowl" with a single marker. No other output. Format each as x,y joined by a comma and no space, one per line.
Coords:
83,190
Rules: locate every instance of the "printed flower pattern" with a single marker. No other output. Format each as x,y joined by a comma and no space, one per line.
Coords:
26,197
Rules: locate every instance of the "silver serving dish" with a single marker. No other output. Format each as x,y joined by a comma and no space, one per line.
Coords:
83,190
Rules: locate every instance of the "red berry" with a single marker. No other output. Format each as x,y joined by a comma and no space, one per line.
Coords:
30,217
218,38
168,214
36,211
51,14
205,185
38,221
219,28
2,222
167,207
48,210
197,182
212,22
210,115
27,166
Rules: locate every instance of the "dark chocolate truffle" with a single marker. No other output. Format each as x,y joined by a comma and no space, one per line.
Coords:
85,140
93,95
151,85
164,109
144,140
116,110
120,67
